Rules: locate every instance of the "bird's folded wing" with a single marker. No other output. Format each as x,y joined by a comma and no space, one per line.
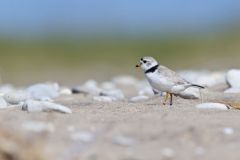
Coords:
172,76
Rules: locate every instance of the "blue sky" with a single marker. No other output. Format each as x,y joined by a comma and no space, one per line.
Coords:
37,16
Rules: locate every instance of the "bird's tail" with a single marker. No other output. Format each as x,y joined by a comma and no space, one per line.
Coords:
195,85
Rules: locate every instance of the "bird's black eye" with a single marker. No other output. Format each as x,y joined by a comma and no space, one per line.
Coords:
144,61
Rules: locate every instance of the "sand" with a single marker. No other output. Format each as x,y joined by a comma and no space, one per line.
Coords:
123,131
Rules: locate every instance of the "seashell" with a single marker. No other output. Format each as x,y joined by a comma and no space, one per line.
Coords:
232,90
168,153
114,94
228,131
90,87
139,99
6,89
83,136
124,141
16,97
108,86
43,91
233,78
219,106
125,80
43,106
3,103
65,91
102,99
37,126
204,77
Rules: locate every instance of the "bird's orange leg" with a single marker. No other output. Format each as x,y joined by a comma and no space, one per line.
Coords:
165,98
171,99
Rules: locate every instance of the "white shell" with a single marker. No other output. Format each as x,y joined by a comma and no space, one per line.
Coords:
124,141
139,99
65,91
233,78
6,88
38,126
114,94
228,131
102,99
89,87
43,91
219,106
108,86
232,90
83,136
204,78
16,97
41,106
3,103
125,80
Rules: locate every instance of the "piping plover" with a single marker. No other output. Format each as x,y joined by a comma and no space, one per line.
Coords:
162,79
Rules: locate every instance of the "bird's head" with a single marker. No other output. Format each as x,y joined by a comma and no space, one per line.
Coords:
147,63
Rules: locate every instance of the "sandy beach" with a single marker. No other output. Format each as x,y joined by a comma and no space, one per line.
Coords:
122,130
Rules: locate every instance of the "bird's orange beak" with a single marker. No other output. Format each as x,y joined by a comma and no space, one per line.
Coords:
138,65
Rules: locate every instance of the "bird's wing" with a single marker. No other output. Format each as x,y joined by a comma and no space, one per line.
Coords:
171,76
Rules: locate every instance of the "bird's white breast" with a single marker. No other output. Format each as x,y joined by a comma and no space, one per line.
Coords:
159,82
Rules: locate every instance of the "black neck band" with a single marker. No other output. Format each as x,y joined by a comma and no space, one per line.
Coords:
153,69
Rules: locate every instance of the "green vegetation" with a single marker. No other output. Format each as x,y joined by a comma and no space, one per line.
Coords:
202,51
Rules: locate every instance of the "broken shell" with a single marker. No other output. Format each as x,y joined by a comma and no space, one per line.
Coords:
114,94
42,106
102,99
125,80
37,126
89,87
3,103
43,91
233,78
16,97
139,99
219,106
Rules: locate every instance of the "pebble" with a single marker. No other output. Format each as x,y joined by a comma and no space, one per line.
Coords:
139,99
38,126
124,141
228,131
233,78
83,136
102,99
44,106
16,97
43,91
219,106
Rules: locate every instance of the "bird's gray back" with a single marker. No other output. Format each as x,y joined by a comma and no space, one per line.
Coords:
171,76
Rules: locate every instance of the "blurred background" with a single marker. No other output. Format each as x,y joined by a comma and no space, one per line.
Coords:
70,41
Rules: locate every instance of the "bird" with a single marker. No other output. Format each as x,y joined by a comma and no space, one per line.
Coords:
163,79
